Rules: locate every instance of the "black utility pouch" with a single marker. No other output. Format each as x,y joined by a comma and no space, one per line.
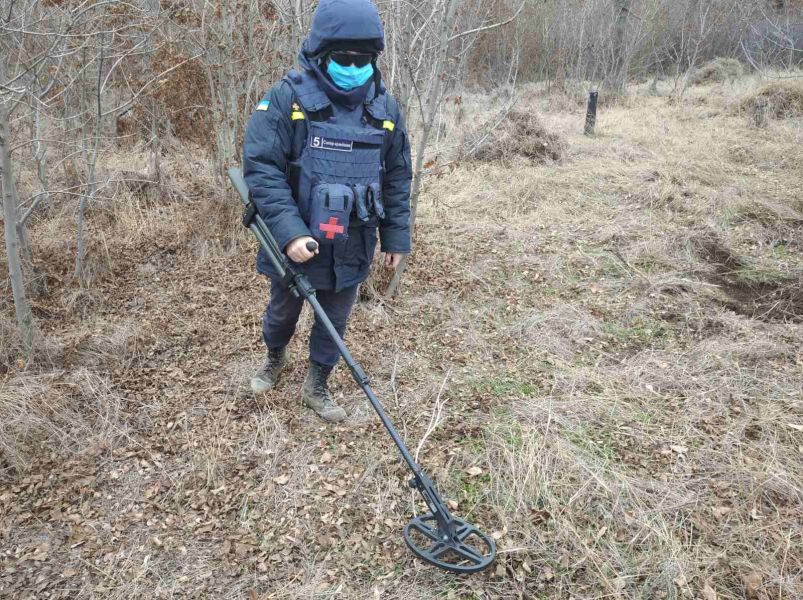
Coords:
330,210
361,202
375,201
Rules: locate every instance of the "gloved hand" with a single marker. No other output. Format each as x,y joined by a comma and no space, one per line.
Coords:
297,249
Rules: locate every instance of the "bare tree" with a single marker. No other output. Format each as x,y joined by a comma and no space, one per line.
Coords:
620,53
22,307
91,133
426,58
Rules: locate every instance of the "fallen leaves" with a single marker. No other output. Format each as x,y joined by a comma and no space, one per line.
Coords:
334,489
708,592
474,471
752,585
38,554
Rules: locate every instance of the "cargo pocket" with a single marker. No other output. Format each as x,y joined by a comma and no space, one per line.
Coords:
330,209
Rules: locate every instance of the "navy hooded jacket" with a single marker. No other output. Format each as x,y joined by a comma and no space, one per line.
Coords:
269,147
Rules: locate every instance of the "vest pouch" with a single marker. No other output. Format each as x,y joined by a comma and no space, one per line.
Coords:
375,205
361,202
330,208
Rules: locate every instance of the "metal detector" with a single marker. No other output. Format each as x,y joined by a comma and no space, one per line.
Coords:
436,537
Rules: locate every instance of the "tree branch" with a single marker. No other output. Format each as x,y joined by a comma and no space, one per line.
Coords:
489,27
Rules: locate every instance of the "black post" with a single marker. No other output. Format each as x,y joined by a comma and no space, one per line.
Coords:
591,113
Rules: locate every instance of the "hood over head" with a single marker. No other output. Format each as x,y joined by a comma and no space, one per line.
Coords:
343,25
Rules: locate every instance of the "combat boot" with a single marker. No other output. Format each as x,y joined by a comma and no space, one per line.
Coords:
315,394
268,374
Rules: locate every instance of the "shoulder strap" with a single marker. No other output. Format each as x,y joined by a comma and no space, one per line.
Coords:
309,102
306,89
378,115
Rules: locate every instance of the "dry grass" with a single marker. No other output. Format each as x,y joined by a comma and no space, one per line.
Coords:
717,71
778,100
11,347
517,134
64,415
613,338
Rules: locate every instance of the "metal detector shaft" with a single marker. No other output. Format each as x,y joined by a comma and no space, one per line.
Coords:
451,533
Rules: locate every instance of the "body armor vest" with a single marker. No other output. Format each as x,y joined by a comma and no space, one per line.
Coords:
337,167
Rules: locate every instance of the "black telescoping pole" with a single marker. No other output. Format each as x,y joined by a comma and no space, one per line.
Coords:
362,379
255,223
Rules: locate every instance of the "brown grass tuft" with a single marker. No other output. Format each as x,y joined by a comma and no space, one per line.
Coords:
66,415
717,71
779,100
519,134
762,294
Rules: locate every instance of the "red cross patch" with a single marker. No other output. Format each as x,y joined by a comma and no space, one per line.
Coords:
331,228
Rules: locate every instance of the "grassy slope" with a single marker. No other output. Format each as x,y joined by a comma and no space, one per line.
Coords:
613,340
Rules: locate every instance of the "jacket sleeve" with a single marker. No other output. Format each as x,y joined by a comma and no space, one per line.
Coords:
266,152
394,229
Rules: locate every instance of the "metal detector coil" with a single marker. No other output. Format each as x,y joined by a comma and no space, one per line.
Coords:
464,550
436,537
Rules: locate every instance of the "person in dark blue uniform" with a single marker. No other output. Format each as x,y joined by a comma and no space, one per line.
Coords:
326,158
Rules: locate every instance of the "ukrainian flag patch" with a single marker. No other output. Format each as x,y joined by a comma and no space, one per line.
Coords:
263,105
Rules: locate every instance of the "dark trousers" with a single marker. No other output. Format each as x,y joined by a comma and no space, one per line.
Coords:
281,316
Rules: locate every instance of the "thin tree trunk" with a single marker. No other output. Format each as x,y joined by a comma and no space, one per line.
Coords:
393,285
92,169
622,8
10,219
25,244
430,110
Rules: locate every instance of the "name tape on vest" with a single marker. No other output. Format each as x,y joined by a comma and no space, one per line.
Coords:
330,144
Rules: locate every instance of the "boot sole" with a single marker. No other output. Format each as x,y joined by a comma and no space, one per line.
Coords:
260,387
337,417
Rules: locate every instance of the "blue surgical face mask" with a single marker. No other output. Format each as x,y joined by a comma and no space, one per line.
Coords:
348,78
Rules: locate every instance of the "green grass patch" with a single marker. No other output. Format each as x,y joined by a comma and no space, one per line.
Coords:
597,443
757,276
639,331
504,387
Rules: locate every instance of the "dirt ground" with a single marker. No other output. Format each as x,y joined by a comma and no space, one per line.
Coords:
612,339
